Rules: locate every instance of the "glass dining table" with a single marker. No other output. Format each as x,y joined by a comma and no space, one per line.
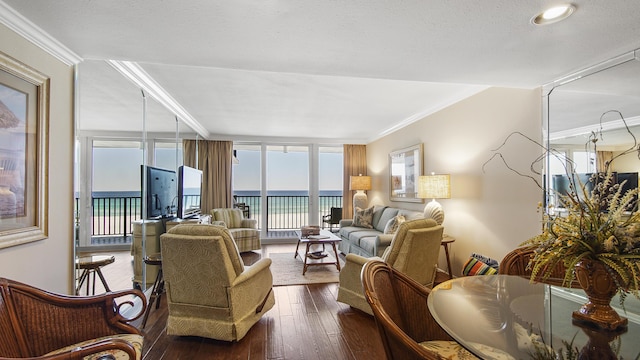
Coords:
508,317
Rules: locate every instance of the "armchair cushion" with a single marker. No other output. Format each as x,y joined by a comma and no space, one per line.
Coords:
133,340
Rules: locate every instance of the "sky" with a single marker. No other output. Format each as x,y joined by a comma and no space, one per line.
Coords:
118,169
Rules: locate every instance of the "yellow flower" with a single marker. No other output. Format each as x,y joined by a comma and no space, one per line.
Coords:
610,243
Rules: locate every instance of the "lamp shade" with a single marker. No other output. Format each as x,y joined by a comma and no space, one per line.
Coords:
360,182
434,187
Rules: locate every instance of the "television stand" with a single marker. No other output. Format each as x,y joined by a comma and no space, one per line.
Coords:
201,219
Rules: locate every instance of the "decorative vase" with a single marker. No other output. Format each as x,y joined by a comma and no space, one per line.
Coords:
600,288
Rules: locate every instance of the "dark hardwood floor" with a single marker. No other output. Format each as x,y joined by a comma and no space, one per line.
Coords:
306,323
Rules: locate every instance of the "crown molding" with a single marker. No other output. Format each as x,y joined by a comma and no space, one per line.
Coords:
136,74
32,32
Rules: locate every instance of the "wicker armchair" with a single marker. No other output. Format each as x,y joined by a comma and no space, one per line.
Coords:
407,328
516,261
38,324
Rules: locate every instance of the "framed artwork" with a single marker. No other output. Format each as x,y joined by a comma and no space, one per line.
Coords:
24,118
405,165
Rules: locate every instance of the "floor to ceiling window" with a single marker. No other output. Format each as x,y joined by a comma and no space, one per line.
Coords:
287,186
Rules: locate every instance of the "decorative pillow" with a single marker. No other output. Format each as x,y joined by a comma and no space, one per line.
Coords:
363,218
393,224
479,265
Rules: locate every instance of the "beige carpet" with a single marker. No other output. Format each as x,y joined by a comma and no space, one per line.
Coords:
287,270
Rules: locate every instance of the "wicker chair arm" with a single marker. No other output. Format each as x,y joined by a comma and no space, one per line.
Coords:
113,314
80,352
40,320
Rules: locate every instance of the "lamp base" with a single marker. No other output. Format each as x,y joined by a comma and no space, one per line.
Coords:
433,210
360,200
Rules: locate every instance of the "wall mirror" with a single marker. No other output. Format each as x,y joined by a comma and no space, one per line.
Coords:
405,165
112,145
575,108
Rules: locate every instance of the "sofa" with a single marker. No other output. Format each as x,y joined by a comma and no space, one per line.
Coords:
368,242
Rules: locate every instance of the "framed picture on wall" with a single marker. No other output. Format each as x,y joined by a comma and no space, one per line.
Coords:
405,165
24,118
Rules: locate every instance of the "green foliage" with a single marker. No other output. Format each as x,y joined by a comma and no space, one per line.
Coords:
596,226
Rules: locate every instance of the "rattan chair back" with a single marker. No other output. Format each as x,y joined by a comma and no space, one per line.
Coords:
400,309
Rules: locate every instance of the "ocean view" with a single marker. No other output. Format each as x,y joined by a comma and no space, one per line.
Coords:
113,211
113,194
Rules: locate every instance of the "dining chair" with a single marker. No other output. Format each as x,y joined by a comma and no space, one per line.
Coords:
37,324
516,263
333,218
405,324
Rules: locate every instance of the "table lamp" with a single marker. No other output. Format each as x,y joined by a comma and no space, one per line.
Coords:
360,184
435,187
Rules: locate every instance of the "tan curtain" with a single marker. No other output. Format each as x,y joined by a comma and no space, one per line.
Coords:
214,159
355,163
602,159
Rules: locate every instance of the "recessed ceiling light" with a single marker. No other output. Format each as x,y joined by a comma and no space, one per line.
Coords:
554,14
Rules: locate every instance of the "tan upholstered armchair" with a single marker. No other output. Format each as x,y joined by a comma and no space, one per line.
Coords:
38,324
244,231
413,251
210,292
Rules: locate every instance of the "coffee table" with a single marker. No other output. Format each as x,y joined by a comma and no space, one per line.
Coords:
324,238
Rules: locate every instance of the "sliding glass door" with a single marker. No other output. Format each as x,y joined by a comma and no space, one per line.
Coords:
287,186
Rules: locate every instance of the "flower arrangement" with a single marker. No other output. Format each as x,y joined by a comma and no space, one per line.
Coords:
596,225
600,222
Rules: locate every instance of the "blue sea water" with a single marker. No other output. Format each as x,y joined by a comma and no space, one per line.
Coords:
108,194
287,193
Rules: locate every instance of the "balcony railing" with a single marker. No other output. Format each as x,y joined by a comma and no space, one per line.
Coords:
113,215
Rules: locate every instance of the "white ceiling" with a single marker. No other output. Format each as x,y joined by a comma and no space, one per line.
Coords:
329,70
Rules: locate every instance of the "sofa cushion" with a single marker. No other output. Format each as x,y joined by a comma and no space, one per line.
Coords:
411,215
363,218
368,244
356,236
385,215
393,224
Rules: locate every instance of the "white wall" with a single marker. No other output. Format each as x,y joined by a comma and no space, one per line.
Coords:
491,211
48,263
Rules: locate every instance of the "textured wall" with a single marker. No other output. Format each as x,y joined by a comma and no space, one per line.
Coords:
491,211
48,263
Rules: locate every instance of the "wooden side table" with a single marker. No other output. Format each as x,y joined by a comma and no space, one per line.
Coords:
446,240
92,264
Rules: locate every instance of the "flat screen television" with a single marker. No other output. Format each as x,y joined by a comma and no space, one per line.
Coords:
161,192
629,181
561,185
189,192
